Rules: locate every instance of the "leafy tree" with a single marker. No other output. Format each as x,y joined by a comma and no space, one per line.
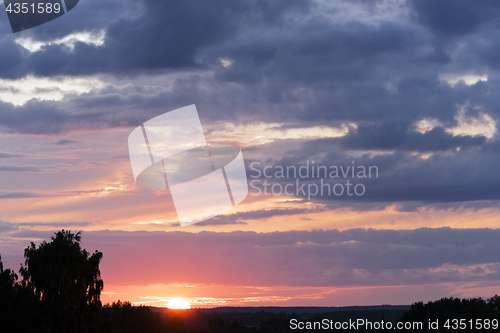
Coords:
7,280
7,293
67,281
19,309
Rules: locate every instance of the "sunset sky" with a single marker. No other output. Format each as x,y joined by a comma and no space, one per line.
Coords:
409,87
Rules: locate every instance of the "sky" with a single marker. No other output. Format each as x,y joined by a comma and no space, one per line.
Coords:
405,89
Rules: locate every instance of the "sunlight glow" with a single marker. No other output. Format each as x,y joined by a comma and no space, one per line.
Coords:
87,37
262,133
178,304
468,79
22,90
481,124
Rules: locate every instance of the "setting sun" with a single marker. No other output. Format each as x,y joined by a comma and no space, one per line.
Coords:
178,304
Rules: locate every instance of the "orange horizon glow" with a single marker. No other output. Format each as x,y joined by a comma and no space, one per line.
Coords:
178,304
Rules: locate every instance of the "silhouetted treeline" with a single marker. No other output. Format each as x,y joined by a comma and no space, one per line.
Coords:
124,318
468,315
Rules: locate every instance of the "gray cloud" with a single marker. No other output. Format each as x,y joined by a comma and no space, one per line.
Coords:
21,195
53,224
65,142
312,71
7,227
11,226
11,155
176,31
392,136
28,168
455,17
303,258
239,218
468,175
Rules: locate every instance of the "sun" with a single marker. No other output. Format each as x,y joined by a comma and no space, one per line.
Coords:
178,304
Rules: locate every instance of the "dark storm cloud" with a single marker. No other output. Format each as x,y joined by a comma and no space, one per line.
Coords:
286,64
467,27
89,15
467,175
109,108
455,17
48,117
33,117
91,111
393,135
159,35
344,52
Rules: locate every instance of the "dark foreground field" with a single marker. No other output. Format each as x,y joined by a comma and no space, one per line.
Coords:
123,318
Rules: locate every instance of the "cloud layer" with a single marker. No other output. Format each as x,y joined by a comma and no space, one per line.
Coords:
354,257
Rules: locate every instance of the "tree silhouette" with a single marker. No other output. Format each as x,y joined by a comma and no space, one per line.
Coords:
468,310
66,280
7,294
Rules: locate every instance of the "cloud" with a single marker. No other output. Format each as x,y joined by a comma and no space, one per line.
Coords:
455,17
7,227
65,142
89,192
176,31
20,233
352,257
53,224
10,155
45,117
257,61
239,218
393,136
28,168
21,194
430,176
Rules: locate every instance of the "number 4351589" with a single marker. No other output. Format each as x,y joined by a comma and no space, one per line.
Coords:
478,324
26,8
